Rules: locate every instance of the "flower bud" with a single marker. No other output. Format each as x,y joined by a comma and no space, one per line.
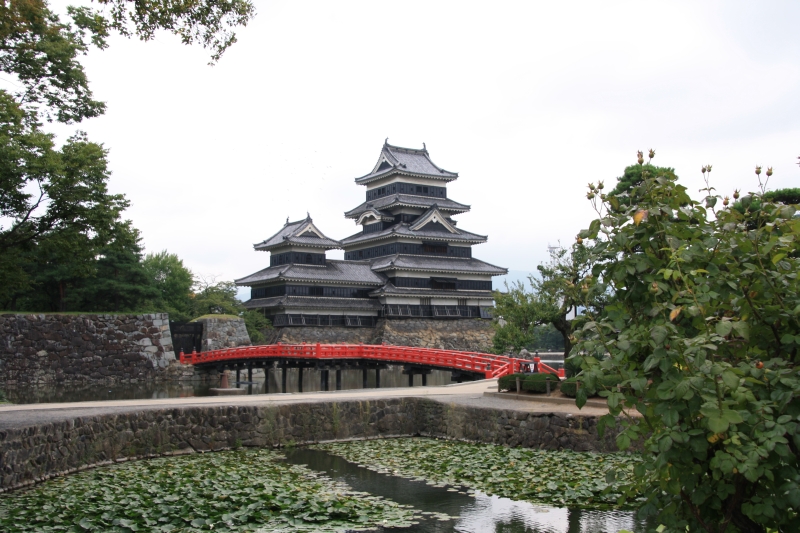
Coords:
703,170
769,171
708,168
584,289
603,197
726,201
640,157
600,185
758,170
736,194
652,153
589,195
654,287
579,239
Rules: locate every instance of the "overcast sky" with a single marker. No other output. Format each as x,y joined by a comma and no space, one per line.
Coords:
527,101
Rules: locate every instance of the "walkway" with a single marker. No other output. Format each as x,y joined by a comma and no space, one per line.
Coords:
471,394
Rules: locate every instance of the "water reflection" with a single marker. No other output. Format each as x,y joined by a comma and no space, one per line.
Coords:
263,383
477,513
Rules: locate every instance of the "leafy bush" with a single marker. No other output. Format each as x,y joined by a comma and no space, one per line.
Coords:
702,328
571,367
2,396
538,382
509,382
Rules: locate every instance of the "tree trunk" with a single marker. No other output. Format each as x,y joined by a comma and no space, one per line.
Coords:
564,327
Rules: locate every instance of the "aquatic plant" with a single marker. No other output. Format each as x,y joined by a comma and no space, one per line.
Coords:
247,490
561,478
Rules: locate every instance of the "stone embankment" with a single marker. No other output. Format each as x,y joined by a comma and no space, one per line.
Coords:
471,335
39,349
223,332
39,452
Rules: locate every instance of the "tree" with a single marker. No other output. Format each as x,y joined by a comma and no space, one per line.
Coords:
783,196
121,282
632,177
701,330
173,281
555,294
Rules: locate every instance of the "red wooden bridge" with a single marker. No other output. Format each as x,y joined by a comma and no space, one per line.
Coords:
464,365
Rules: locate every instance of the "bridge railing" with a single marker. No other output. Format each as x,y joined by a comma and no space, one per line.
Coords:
490,365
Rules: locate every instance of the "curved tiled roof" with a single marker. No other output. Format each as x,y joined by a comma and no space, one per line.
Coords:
410,161
334,271
403,229
296,233
429,263
408,200
312,302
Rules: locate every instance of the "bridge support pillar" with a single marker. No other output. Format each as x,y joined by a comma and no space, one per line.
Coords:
410,379
238,371
300,379
424,380
338,379
250,378
323,376
377,378
283,380
364,378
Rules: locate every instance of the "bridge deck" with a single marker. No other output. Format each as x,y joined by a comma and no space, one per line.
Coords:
488,365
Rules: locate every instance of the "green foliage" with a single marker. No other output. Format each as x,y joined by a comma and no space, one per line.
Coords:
212,297
537,383
632,178
569,387
783,196
3,398
245,490
167,273
555,294
546,338
701,330
509,382
256,324
560,478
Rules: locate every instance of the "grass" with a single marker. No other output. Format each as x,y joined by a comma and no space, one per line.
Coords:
226,317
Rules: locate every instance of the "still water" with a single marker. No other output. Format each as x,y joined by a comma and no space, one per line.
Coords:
477,513
269,383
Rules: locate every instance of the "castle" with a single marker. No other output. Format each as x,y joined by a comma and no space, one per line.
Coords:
409,259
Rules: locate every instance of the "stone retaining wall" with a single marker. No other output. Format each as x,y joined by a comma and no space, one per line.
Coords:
85,348
36,453
224,332
472,335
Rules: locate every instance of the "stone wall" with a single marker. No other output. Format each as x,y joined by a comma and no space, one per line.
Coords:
327,335
38,452
85,348
223,332
473,335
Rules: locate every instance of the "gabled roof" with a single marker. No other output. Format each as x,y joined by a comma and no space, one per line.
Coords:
334,271
302,233
377,215
429,263
431,232
409,161
407,200
433,218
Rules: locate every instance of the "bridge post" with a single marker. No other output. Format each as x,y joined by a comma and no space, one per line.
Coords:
250,378
338,379
364,378
424,379
238,369
323,376
410,379
378,378
300,379
283,380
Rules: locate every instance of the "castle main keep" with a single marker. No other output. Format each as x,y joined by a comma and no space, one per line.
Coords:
409,260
